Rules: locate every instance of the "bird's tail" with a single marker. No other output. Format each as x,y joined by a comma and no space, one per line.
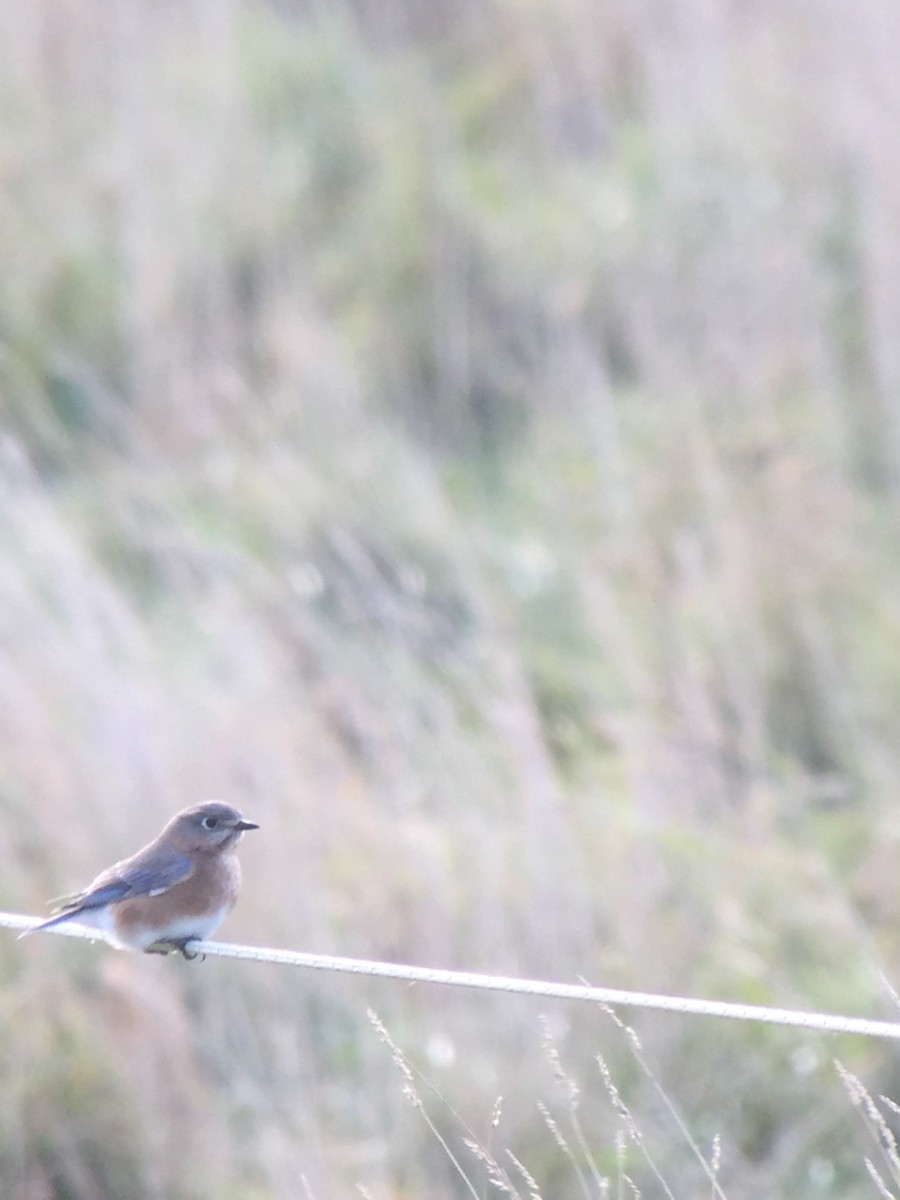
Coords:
48,924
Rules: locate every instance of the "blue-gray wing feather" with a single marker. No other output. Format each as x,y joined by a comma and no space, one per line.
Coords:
149,873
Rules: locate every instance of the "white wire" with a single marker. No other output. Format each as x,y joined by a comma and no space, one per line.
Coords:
821,1022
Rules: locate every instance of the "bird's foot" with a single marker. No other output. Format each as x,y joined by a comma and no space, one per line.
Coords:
159,948
167,945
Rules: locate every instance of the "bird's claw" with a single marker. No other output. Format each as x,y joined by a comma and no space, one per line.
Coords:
167,945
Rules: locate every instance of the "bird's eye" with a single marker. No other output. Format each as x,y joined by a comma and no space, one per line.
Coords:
210,822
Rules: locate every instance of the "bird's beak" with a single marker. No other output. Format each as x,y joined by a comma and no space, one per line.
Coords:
242,825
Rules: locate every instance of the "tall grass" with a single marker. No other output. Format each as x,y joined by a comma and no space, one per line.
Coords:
466,437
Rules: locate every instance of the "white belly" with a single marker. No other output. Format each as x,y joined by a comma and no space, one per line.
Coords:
141,936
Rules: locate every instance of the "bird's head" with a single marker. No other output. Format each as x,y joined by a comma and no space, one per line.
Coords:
212,826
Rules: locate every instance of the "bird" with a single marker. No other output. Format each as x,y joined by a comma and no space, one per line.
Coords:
175,891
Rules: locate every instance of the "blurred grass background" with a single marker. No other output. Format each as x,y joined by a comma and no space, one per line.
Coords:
467,437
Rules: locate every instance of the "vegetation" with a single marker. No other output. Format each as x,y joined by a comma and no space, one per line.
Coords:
467,437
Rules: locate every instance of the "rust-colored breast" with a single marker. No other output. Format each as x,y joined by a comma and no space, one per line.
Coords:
194,907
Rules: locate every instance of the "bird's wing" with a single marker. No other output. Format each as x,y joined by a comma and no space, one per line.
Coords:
149,873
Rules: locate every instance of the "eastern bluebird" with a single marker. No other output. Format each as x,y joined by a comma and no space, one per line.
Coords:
176,890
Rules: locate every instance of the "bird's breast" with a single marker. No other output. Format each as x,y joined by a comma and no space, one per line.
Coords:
194,908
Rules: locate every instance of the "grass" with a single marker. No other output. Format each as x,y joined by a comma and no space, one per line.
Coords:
464,437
